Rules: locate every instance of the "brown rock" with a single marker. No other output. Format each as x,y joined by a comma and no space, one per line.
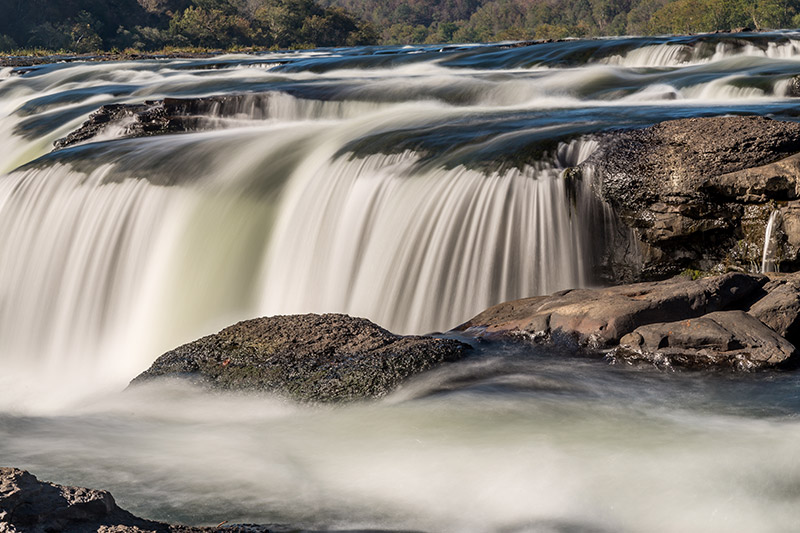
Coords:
28,505
600,317
685,187
32,506
726,339
774,181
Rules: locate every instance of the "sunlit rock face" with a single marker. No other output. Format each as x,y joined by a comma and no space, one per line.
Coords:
700,192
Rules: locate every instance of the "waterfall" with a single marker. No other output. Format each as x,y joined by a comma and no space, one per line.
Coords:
419,248
769,255
105,267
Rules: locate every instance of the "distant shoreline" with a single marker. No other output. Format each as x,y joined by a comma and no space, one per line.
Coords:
29,61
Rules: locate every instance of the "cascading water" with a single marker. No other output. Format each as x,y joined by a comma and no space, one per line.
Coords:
769,255
416,187
419,248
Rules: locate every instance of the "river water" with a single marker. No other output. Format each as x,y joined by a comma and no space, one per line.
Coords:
414,186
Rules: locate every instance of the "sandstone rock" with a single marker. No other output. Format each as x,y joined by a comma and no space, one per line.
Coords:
28,505
306,357
777,181
600,317
726,339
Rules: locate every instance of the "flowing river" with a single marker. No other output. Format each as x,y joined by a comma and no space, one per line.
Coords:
414,186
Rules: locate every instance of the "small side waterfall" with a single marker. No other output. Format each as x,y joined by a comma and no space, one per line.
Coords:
769,255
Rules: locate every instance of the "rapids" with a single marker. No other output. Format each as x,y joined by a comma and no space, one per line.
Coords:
415,186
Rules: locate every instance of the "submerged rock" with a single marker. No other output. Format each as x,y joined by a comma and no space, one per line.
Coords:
324,358
678,322
698,192
170,115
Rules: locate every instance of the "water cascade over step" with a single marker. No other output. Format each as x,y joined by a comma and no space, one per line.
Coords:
769,255
419,248
116,268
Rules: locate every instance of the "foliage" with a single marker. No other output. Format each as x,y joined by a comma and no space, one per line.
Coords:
146,25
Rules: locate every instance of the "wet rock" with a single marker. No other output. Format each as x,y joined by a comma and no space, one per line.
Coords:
599,318
33,506
723,339
170,115
686,186
323,358
28,505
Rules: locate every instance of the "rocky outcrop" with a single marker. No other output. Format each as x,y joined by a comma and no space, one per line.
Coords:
320,358
698,192
170,115
723,339
28,505
678,322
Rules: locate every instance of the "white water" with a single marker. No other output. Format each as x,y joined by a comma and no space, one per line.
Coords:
420,250
381,192
768,256
679,55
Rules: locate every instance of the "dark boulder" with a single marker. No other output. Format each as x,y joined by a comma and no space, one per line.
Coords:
322,358
28,505
698,192
170,115
600,317
33,506
724,339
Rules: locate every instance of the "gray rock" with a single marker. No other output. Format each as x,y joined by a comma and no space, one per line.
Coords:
322,358
601,317
726,339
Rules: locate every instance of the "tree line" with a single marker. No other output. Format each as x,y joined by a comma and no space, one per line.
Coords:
102,25
447,21
147,25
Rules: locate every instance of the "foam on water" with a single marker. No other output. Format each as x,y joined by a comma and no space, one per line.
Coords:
415,187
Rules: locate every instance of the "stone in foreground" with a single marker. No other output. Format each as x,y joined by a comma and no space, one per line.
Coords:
726,339
680,322
28,505
601,317
321,358
780,308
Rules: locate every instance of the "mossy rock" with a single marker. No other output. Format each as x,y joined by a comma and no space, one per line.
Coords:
320,358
